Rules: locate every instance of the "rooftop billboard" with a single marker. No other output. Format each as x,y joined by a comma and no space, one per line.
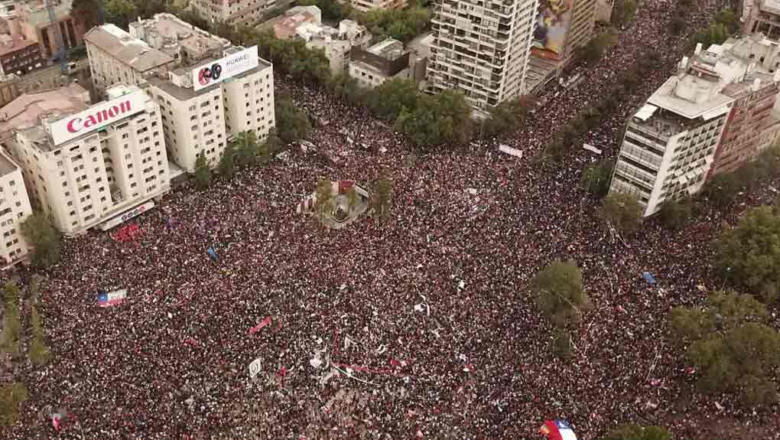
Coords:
225,68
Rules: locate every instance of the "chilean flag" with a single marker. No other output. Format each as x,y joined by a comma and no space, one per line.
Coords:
558,430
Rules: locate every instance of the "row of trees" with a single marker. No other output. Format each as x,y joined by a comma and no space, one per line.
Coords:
425,119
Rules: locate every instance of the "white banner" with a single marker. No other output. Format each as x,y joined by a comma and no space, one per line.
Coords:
135,212
225,68
97,117
510,151
254,368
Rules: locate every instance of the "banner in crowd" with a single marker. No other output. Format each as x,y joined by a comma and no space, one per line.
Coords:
510,151
107,299
259,327
254,368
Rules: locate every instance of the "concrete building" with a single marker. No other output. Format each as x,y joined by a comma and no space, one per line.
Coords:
90,167
482,49
368,5
379,63
284,27
761,16
36,25
210,92
9,89
233,12
26,110
14,209
19,56
561,28
670,143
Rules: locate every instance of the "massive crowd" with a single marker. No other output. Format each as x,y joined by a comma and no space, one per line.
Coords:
422,327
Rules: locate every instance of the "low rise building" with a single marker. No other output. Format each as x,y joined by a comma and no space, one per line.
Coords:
233,12
383,61
36,24
369,5
88,168
210,91
26,110
19,56
285,26
14,210
761,16
9,89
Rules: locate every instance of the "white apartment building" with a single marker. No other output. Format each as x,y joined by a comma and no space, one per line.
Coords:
670,143
14,209
481,48
90,167
214,91
233,12
368,5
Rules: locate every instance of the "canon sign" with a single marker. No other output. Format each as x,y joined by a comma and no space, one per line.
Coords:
225,68
97,117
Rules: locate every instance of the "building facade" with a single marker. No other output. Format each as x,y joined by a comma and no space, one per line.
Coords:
36,24
481,49
19,56
761,16
669,144
233,12
208,89
14,209
90,167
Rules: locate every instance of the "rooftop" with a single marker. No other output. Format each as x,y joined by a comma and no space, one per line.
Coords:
6,164
772,6
122,46
389,49
175,37
25,110
284,27
668,97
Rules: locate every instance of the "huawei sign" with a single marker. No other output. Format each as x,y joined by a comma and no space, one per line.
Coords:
97,117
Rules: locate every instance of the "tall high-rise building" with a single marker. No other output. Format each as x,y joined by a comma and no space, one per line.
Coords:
481,48
712,116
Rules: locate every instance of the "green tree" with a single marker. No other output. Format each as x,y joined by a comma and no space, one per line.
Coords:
44,240
331,9
731,347
202,172
382,199
728,18
227,163
559,293
507,116
623,12
12,326
388,99
120,12
325,198
247,148
192,17
675,213
636,432
437,119
722,189
345,87
677,25
85,12
39,352
716,33
623,211
596,177
401,24
352,199
11,396
292,124
749,255
598,45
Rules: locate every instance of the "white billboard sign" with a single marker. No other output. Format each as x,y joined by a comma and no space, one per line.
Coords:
128,215
97,117
254,368
225,68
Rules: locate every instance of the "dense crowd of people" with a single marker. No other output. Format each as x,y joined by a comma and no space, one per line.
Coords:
422,326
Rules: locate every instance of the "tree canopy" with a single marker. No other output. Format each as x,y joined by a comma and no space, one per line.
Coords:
623,211
388,99
43,238
596,177
749,255
401,24
675,213
623,12
636,432
382,198
559,293
507,116
292,124
731,347
202,171
445,117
